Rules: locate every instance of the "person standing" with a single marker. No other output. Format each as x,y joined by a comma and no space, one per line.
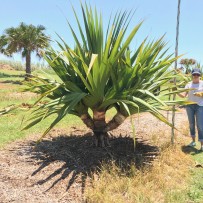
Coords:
195,111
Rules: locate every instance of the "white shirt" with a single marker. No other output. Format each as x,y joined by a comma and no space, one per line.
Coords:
198,87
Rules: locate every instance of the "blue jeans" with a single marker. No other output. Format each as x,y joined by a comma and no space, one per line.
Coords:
195,114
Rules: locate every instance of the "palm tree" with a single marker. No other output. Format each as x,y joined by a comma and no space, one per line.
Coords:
103,73
25,39
188,64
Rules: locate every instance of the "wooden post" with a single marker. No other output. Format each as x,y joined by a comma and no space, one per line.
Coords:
176,54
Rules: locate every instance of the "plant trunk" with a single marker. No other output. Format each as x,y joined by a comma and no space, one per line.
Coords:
87,120
28,65
100,127
117,120
101,137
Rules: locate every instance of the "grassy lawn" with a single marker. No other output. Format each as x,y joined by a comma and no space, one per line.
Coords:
195,190
141,186
10,124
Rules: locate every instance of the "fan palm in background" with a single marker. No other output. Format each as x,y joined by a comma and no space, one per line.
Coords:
25,39
188,64
100,73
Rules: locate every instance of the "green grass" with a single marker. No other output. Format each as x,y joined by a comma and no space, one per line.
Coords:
11,124
9,76
194,192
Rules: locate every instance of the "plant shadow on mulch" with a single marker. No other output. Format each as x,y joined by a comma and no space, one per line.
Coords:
81,158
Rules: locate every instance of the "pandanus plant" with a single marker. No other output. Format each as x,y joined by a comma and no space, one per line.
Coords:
100,73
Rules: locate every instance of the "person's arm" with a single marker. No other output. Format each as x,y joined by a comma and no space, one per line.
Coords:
183,94
198,94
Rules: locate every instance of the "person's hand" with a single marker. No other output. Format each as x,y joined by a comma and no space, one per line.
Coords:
198,94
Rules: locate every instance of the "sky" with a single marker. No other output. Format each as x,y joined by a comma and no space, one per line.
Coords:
160,17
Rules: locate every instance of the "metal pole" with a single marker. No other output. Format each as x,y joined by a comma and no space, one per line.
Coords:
176,54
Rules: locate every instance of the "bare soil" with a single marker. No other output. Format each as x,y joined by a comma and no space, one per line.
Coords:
61,167
5,67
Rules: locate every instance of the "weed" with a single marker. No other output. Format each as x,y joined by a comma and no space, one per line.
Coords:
166,181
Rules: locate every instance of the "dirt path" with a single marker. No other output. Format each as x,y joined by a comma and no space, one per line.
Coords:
59,169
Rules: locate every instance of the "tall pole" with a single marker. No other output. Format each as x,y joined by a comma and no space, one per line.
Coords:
176,54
